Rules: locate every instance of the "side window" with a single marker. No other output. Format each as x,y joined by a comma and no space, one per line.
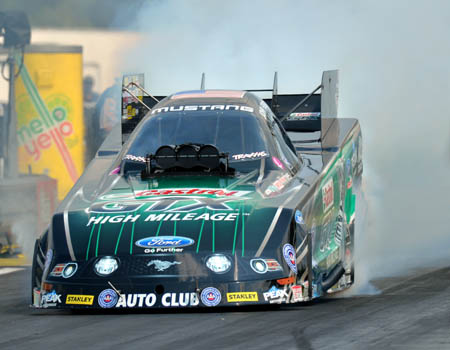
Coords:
285,147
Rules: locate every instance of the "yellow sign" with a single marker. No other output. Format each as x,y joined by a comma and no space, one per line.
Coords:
79,299
49,106
242,296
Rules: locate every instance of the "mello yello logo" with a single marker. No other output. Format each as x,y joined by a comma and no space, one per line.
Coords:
39,135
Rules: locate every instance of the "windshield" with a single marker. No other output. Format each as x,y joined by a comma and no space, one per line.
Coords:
237,133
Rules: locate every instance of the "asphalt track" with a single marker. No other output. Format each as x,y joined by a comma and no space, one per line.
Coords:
409,313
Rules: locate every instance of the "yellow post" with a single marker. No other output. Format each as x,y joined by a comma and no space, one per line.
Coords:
49,106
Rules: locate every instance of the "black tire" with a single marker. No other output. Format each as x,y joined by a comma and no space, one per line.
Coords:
36,271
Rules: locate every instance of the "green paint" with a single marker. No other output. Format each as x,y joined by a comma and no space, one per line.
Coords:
98,239
200,235
235,232
174,228
131,240
89,243
118,239
243,231
159,227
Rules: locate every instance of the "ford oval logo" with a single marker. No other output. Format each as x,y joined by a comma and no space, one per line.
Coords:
164,242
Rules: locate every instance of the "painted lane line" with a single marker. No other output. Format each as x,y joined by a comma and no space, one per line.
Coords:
6,270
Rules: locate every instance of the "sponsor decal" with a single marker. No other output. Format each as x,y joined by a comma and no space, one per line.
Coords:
195,203
163,250
162,265
136,300
117,219
287,280
349,183
275,295
242,296
150,299
278,162
192,217
189,192
194,108
299,217
167,202
112,219
210,296
278,185
289,256
264,265
165,242
36,297
57,270
65,270
273,265
297,293
328,195
76,299
51,299
254,155
107,298
271,189
282,181
304,116
115,207
180,299
134,158
339,232
324,233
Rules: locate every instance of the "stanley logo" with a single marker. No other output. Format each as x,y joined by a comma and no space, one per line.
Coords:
242,296
79,299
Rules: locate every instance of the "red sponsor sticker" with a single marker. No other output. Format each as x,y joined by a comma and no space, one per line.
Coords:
57,270
328,195
189,191
273,265
297,293
287,280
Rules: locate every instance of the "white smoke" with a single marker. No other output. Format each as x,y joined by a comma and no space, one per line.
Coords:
395,78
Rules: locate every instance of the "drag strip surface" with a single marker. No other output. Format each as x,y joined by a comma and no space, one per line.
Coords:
410,313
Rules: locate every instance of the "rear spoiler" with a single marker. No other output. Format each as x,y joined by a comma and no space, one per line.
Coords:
298,112
307,112
136,102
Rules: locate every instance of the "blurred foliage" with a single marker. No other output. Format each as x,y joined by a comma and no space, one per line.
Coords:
77,13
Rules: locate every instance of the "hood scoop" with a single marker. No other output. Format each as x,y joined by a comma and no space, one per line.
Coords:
186,159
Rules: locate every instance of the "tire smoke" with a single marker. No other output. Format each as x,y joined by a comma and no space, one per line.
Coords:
395,78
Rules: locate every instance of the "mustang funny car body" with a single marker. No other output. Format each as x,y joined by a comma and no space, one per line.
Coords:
216,198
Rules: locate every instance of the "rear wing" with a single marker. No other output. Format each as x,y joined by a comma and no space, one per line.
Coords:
136,102
298,112
307,112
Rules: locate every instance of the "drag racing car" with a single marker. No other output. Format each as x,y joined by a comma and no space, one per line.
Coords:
208,198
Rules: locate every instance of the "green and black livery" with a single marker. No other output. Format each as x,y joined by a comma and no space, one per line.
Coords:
266,188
